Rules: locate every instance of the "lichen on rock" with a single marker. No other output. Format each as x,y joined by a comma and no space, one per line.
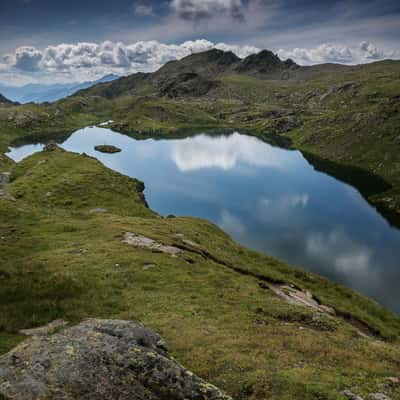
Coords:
99,359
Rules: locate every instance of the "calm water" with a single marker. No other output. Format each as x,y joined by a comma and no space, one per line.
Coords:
267,198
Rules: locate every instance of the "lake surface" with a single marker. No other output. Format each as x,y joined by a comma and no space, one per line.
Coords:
267,198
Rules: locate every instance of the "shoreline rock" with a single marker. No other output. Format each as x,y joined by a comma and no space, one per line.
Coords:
105,148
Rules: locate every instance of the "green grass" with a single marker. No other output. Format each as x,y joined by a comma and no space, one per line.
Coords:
59,260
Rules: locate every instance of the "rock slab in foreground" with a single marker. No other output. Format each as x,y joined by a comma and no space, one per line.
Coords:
99,359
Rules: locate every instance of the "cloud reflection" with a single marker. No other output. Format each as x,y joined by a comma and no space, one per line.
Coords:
269,209
226,152
338,250
231,223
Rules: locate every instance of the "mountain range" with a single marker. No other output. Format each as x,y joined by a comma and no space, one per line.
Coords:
41,93
343,115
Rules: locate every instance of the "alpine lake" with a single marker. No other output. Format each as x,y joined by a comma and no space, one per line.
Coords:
268,198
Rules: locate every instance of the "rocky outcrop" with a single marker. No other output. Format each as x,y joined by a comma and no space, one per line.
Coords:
51,146
134,239
106,148
4,178
187,84
99,359
264,62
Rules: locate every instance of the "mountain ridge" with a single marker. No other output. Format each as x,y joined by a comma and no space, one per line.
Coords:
41,93
208,68
5,101
205,67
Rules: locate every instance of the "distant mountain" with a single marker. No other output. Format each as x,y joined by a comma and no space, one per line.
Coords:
38,93
5,101
196,75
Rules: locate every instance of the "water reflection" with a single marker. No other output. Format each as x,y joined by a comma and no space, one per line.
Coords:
267,198
226,152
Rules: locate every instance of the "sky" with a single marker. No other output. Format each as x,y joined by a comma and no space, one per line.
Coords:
46,41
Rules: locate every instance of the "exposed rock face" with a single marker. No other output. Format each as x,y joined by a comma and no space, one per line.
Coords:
351,396
299,298
99,359
187,84
142,241
263,62
52,147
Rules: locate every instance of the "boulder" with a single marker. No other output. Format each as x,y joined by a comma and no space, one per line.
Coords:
379,396
350,395
5,178
99,359
49,147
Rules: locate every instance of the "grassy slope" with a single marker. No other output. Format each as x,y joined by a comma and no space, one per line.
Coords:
58,260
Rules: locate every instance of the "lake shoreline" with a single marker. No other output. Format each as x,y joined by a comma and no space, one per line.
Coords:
253,232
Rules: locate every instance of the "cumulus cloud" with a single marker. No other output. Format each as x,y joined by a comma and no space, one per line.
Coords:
27,58
337,53
195,10
338,250
87,61
231,224
275,209
90,60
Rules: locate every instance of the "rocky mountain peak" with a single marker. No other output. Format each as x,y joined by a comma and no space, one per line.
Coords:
264,61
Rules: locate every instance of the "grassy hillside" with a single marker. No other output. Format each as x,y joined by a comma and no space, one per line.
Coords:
220,306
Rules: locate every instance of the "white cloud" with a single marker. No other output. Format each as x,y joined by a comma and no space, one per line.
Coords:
26,58
273,209
81,61
337,249
231,224
87,61
196,10
226,152
337,53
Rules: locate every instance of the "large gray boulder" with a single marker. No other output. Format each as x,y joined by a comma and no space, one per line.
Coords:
99,359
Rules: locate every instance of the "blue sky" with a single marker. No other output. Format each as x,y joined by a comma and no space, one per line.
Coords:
41,40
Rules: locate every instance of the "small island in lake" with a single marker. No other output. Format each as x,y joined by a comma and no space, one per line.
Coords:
106,148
